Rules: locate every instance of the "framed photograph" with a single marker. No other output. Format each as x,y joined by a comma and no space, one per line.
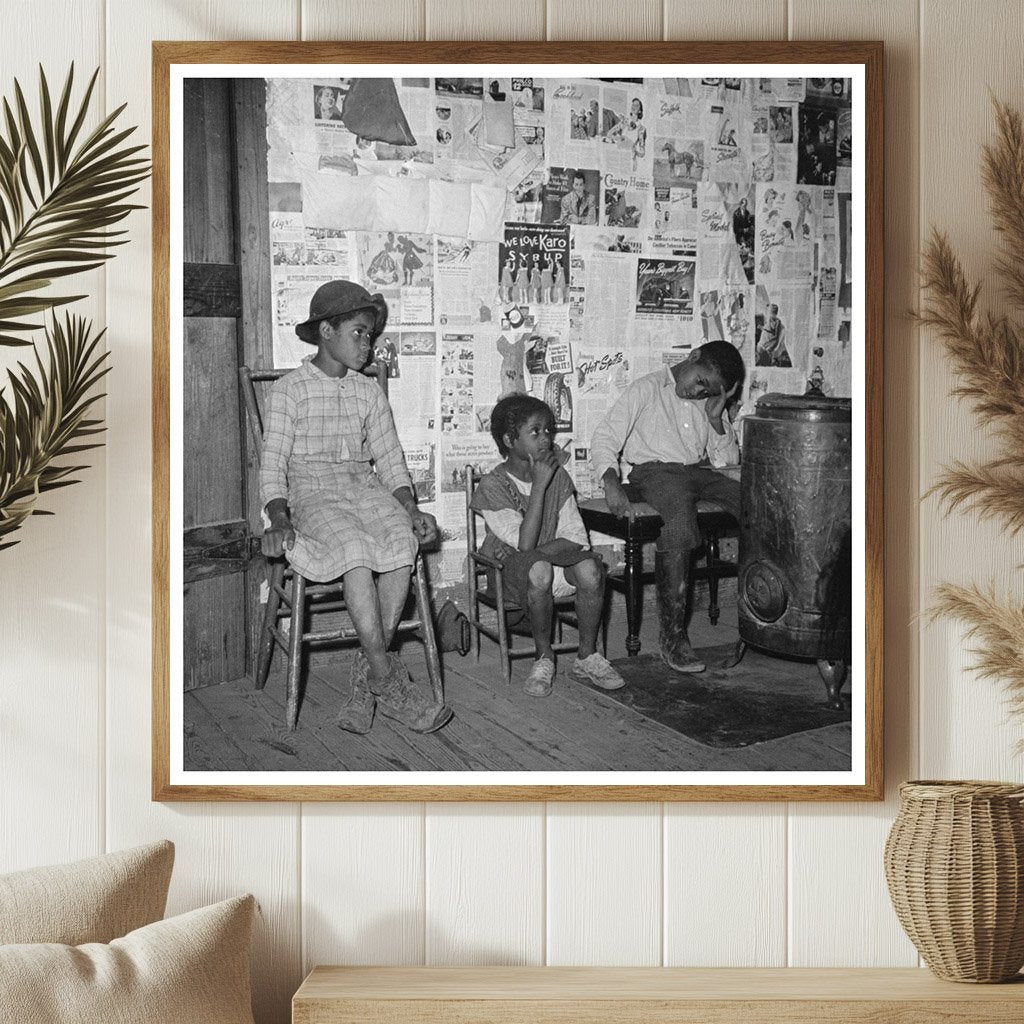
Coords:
517,421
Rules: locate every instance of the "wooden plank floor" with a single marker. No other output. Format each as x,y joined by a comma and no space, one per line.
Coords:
234,727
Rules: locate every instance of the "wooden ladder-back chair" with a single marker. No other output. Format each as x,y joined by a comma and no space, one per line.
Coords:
291,595
492,595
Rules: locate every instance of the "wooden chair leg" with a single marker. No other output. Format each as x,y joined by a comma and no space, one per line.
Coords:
634,595
503,645
267,643
427,633
606,611
295,649
712,563
471,601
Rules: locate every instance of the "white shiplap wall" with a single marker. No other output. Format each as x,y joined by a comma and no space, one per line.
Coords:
736,884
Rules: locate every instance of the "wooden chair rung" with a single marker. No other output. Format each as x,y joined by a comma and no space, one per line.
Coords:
315,590
565,648
330,635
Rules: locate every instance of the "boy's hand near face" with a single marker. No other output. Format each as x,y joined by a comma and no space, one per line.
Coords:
715,406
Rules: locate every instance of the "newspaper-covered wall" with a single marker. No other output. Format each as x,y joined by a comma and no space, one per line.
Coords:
562,237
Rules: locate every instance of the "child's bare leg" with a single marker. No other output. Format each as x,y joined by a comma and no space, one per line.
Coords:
365,610
541,606
392,591
588,579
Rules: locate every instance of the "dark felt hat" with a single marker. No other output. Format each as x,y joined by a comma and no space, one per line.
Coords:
338,297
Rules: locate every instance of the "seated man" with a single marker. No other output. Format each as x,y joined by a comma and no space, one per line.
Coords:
665,424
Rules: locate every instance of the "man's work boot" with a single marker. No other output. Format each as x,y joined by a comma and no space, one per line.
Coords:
671,572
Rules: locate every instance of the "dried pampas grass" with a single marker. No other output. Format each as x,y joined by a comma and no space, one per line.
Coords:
987,354
998,634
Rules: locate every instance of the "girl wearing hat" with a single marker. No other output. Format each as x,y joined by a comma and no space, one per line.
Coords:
332,512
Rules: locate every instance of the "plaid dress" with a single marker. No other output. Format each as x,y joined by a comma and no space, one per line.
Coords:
320,436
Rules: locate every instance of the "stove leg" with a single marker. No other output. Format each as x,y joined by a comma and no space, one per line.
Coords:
834,675
741,649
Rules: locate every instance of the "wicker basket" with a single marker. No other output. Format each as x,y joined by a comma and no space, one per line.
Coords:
954,861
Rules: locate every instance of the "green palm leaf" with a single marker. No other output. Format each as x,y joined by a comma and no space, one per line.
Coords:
62,190
46,419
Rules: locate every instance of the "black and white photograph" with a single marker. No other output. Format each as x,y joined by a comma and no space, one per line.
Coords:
412,542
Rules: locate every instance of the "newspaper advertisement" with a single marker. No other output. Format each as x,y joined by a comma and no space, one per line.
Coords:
509,164
783,325
419,458
788,227
527,102
478,453
844,150
624,130
293,288
603,294
533,264
573,137
731,145
625,200
456,383
329,247
524,204
664,288
549,364
412,380
570,195
287,239
828,295
401,267
606,239
831,368
817,157
726,315
455,112
601,376
464,288
500,363
725,233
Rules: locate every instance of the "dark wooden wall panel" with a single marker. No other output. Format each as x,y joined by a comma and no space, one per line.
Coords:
214,630
256,344
208,233
212,453
214,493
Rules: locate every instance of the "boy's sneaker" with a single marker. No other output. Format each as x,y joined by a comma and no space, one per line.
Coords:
597,671
539,681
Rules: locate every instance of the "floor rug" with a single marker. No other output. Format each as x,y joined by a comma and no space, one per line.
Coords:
760,698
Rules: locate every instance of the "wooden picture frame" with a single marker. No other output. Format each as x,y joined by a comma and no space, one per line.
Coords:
240,308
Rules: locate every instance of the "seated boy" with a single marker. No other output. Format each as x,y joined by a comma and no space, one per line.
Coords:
534,530
667,424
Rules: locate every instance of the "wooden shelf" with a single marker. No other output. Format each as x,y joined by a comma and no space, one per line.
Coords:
630,995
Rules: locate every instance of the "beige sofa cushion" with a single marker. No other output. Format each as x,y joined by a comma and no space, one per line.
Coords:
92,900
190,969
